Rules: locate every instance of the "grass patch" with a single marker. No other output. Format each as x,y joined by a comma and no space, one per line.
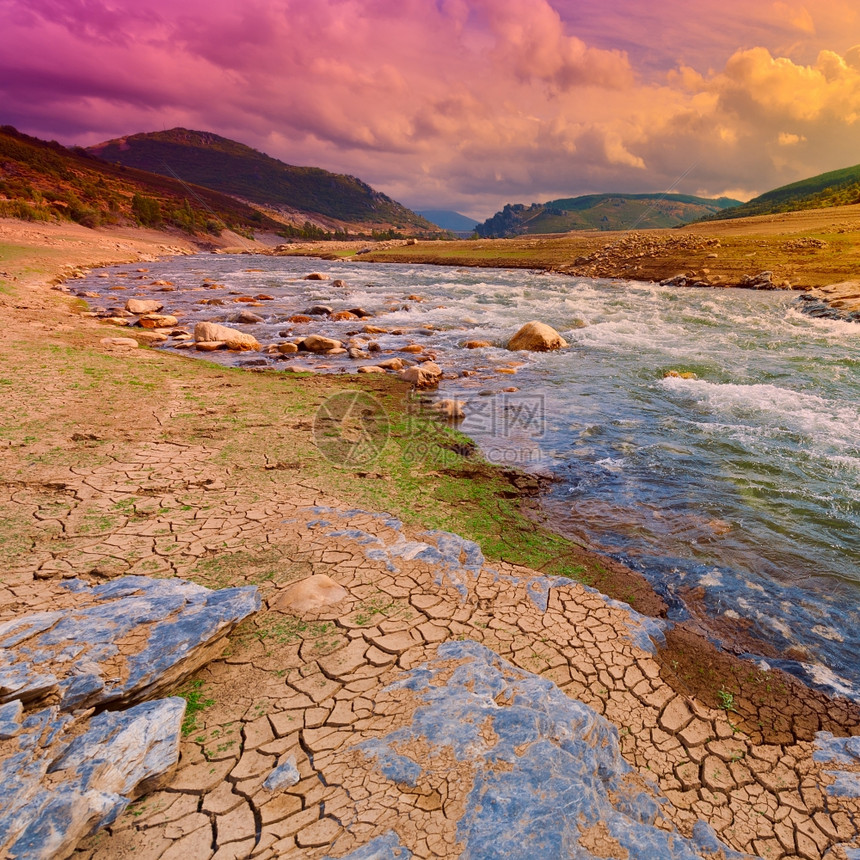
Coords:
196,701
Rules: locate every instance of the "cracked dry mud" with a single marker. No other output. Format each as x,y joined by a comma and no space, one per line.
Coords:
117,489
309,686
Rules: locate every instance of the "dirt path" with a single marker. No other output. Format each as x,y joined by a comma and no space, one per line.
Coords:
125,461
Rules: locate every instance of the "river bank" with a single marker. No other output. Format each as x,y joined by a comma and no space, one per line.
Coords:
175,467
816,252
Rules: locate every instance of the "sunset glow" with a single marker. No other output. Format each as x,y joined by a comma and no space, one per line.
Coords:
461,104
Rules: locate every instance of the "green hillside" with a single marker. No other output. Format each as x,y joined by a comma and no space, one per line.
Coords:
836,188
233,168
41,181
601,212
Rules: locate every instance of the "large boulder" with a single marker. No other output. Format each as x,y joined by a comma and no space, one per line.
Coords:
207,332
537,337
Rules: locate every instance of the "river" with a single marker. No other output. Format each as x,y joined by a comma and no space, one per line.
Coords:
708,438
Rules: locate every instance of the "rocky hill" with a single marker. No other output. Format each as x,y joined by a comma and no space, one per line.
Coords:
836,188
42,181
328,200
601,212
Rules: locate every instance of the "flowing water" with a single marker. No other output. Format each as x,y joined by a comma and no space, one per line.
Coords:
737,480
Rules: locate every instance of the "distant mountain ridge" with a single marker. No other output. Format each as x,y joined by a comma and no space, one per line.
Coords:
601,212
835,188
233,168
447,219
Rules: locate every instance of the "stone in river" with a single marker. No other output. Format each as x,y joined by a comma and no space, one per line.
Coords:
143,306
248,317
537,337
318,343
157,320
425,375
207,331
316,276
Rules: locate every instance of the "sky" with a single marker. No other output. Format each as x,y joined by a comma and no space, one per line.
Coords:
459,104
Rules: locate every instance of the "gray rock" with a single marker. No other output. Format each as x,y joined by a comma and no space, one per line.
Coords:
546,769
283,776
319,311
63,774
92,778
64,653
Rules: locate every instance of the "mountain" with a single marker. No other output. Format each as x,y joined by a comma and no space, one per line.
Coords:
601,212
836,188
41,181
329,199
447,219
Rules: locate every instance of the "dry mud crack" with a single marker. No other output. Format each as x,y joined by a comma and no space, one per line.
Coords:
307,689
309,737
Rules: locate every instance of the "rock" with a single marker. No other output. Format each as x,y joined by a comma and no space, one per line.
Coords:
680,374
391,364
319,311
248,317
371,368
373,346
309,594
150,336
537,337
157,321
125,342
423,376
412,347
316,276
343,315
476,344
283,776
318,343
287,348
337,282
761,281
52,797
544,772
207,331
374,329
62,773
210,345
114,321
357,354
360,312
143,306
182,626
299,318
411,241
451,409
